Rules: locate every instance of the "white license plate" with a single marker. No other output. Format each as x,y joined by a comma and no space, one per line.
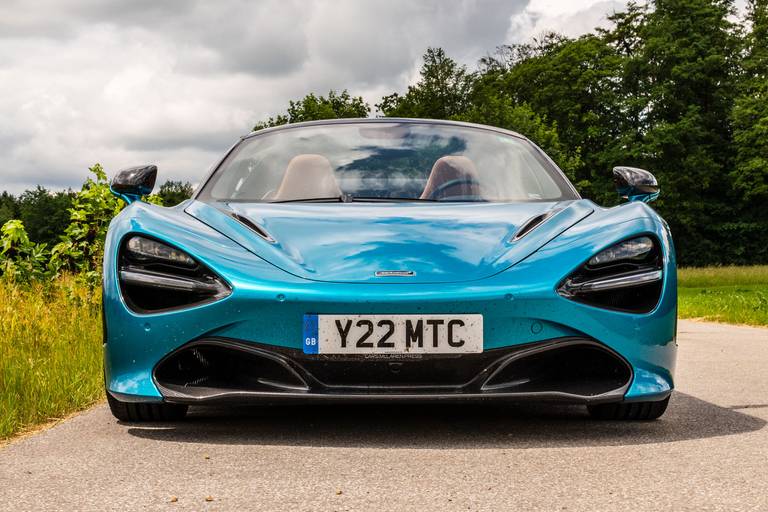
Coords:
393,334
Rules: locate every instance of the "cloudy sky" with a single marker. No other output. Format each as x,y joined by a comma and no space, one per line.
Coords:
175,82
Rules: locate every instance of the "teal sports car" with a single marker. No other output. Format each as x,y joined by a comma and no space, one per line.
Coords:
388,259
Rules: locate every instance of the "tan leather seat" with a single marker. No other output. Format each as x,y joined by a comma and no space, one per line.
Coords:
452,168
307,176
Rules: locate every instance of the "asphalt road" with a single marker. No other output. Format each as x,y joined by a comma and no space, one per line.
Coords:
709,452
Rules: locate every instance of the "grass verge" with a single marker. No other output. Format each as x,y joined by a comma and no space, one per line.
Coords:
737,295
50,352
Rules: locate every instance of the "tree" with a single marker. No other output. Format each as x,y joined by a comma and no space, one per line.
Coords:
508,56
750,113
9,208
172,193
45,214
689,67
311,108
572,84
629,114
499,110
750,137
442,92
446,90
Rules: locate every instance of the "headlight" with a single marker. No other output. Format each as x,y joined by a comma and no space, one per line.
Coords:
636,249
624,277
146,249
155,276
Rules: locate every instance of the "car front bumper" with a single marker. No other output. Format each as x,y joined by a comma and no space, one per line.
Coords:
518,319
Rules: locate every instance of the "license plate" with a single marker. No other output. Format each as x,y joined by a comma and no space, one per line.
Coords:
393,334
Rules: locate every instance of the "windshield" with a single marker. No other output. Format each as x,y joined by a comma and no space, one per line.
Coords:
382,161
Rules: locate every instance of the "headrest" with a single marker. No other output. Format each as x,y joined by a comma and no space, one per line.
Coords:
307,176
452,168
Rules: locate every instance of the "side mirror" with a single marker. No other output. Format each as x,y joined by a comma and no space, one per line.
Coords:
635,184
133,183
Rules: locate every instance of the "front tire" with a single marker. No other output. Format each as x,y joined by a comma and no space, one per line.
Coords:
629,411
141,412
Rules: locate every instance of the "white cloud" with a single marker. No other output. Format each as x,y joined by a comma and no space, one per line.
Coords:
174,83
568,17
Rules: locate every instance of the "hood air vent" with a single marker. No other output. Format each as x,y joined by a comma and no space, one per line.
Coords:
253,227
532,224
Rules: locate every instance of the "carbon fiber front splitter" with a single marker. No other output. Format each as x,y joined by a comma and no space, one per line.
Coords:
218,370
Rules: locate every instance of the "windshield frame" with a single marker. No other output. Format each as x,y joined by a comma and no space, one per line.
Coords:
203,194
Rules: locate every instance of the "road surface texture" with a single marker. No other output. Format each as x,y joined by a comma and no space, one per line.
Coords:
709,452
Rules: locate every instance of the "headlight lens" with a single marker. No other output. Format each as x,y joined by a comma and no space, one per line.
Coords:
146,249
636,249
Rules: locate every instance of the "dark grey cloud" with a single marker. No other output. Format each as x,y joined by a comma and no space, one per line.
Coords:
176,81
236,35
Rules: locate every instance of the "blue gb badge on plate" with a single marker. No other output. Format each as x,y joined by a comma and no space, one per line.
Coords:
310,342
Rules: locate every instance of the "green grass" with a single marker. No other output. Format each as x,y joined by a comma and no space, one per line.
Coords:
50,353
737,295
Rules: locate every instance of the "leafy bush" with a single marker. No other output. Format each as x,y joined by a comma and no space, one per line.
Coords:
82,247
20,259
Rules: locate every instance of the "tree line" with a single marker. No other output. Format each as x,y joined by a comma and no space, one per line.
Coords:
46,214
51,233
676,87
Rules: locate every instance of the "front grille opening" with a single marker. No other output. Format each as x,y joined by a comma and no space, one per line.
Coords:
583,370
225,369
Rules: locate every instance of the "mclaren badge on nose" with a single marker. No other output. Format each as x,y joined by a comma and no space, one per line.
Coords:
395,273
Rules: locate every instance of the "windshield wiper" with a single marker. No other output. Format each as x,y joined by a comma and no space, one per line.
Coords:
349,198
343,198
377,199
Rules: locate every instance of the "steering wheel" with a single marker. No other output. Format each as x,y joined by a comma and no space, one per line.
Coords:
438,190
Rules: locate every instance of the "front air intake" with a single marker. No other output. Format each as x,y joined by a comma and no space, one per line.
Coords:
200,367
582,369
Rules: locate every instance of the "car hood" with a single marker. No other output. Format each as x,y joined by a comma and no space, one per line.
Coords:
351,242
